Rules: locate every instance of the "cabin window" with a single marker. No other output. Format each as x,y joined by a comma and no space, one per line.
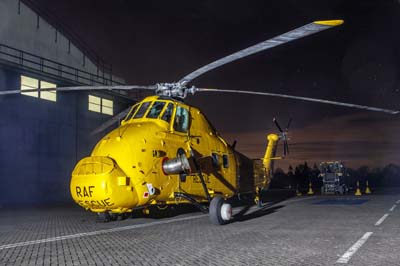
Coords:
225,161
181,122
131,112
214,157
142,110
168,113
155,109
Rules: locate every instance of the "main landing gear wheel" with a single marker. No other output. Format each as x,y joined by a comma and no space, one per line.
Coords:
220,211
103,217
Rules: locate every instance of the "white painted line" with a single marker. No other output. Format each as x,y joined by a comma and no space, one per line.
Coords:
393,207
382,219
105,231
351,251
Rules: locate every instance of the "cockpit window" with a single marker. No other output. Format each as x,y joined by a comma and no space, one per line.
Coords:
181,122
131,112
155,109
142,110
168,113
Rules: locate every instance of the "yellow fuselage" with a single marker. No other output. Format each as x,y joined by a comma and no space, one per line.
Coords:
125,169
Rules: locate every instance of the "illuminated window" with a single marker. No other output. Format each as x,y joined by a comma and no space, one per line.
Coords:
101,105
94,104
28,83
107,107
48,95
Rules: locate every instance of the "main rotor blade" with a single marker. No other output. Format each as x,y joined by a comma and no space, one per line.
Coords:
295,34
369,108
110,122
83,88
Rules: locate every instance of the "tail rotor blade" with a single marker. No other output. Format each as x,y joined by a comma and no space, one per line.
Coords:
287,147
277,124
288,124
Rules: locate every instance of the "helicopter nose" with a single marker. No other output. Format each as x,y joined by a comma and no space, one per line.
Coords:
98,184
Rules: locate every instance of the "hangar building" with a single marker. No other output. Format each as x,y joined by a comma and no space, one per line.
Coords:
43,134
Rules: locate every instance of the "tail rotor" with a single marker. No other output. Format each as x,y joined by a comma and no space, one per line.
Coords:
283,135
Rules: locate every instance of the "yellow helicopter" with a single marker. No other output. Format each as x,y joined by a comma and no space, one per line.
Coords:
166,152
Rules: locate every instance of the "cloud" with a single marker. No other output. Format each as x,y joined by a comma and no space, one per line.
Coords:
357,139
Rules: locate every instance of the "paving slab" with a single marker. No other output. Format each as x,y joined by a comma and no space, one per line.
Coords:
294,231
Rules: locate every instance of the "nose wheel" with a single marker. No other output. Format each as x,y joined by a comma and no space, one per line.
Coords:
220,212
105,217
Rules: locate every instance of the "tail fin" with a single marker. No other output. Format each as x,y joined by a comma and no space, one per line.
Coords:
270,153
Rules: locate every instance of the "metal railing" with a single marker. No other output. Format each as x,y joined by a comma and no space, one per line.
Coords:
70,34
43,65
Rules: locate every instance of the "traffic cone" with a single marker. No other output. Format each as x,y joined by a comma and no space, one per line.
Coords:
310,191
298,192
358,191
367,189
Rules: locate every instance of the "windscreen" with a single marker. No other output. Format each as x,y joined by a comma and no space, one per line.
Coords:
142,110
155,109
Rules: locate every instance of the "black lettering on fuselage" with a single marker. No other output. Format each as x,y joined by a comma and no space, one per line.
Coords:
90,190
108,203
96,204
78,191
87,192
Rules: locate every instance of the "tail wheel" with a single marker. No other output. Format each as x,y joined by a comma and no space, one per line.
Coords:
220,211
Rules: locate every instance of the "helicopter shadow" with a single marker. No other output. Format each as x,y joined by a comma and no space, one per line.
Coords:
170,212
246,213
248,210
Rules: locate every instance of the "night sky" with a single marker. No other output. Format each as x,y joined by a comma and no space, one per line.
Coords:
161,41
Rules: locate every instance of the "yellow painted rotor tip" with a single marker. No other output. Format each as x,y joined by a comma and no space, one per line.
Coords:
332,23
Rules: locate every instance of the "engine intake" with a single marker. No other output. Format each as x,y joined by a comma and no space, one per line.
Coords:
178,165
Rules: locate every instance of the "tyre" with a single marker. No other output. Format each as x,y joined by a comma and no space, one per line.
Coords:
220,212
124,216
103,217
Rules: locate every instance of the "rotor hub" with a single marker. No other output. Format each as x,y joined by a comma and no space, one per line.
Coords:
174,90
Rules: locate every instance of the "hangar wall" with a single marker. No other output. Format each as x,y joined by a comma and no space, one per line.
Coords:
24,29
40,140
